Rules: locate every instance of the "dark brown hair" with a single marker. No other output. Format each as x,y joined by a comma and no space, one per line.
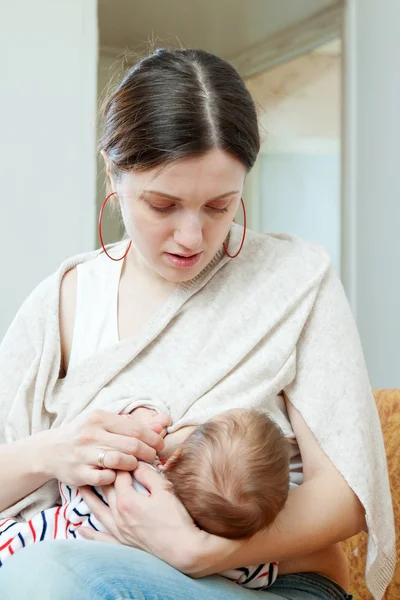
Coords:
177,103
232,473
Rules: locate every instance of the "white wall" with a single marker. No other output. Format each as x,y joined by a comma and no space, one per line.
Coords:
47,151
371,205
110,71
301,194
301,98
298,171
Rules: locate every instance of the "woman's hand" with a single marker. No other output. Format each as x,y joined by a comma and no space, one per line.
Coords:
157,523
73,450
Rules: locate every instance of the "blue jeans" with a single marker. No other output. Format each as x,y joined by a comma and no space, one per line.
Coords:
87,570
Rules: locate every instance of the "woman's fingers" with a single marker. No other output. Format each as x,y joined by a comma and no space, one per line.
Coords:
157,428
147,476
122,497
91,534
109,494
97,477
100,510
164,421
124,483
113,459
128,446
127,427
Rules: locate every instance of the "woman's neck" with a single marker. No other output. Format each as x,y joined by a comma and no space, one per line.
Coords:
137,270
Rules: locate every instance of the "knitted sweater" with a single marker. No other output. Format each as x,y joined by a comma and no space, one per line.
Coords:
275,319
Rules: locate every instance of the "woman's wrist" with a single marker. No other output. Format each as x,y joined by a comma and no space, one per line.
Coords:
204,553
24,467
43,455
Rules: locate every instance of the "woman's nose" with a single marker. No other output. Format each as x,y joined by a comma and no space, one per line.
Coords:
189,233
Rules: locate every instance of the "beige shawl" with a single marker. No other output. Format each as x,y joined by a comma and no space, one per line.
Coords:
274,319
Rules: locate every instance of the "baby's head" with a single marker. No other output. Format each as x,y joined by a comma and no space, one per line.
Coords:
232,473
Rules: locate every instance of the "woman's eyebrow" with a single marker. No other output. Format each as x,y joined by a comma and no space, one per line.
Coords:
177,199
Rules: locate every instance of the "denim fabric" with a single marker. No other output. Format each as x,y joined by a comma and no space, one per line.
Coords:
308,586
87,570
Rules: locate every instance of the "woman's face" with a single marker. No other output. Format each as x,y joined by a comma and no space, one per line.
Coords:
179,216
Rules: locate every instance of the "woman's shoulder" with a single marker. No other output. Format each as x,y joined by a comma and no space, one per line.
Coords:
96,274
286,254
46,294
64,278
286,244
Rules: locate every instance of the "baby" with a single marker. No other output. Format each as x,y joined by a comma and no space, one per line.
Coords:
231,473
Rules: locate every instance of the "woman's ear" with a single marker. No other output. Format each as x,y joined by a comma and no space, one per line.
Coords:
109,182
104,154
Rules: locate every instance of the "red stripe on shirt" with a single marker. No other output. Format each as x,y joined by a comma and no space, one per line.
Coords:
33,530
8,542
4,522
62,493
76,524
261,575
67,521
56,521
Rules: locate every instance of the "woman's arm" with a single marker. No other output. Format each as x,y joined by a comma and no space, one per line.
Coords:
23,468
322,511
70,453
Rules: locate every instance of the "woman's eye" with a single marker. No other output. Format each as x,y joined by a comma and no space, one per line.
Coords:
161,209
219,210
165,209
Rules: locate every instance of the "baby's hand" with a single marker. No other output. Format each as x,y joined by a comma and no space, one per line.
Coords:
149,416
173,440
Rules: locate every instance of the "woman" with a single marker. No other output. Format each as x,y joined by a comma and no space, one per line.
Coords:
185,310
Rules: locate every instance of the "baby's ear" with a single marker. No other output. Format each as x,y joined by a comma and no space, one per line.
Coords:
173,459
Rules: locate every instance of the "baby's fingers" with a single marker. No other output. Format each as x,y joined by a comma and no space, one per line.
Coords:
163,419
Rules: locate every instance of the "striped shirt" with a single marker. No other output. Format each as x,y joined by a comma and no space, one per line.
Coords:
62,522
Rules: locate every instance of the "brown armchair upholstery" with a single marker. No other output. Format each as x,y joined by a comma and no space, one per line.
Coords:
388,402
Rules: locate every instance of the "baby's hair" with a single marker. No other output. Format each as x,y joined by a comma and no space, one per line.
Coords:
232,473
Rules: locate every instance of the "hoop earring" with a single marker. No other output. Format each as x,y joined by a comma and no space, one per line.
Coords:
101,234
244,234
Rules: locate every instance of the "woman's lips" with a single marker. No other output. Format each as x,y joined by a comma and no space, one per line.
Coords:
183,261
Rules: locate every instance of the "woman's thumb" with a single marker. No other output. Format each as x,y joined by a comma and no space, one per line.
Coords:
148,477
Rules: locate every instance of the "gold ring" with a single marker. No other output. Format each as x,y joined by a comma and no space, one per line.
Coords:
100,460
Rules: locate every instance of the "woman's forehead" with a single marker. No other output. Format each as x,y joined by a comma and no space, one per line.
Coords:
210,175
